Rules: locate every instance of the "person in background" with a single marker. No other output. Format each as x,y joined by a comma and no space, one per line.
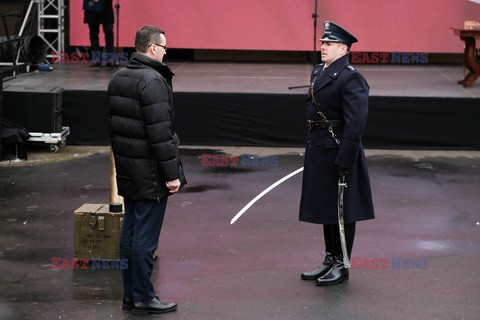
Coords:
96,13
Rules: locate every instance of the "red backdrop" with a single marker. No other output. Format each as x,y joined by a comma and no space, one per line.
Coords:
380,25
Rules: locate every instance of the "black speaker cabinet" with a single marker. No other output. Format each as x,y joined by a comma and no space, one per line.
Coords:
1,99
1,110
38,109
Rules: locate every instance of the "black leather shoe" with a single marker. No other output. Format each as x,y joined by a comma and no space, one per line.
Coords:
127,304
153,306
320,271
337,274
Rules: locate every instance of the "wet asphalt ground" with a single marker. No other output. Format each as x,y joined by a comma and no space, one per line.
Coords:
419,259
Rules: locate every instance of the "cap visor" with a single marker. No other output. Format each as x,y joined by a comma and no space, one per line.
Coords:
329,40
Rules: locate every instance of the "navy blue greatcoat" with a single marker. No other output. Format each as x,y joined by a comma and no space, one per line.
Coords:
342,94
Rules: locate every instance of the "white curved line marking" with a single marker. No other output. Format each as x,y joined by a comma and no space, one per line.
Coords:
264,192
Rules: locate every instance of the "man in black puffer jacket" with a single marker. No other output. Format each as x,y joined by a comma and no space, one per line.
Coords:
145,147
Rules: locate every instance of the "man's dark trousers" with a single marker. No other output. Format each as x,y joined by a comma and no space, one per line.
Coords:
94,29
140,231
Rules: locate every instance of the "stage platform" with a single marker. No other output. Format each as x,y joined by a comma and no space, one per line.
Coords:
252,104
243,77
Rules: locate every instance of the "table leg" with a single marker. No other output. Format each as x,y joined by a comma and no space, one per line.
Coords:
470,63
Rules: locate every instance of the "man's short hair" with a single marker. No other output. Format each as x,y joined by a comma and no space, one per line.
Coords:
146,36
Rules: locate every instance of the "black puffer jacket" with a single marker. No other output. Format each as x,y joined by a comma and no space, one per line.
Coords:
142,131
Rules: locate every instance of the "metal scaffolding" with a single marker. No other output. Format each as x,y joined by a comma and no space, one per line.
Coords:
50,16
51,24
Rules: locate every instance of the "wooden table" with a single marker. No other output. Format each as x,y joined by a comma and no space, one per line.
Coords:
469,55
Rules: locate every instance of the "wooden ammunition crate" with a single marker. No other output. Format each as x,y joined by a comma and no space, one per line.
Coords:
97,232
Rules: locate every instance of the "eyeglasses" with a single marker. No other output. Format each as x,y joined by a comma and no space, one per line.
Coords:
160,45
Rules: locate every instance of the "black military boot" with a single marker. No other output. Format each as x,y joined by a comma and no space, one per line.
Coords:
337,274
320,271
329,237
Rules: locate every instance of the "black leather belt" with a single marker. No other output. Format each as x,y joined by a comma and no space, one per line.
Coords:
325,124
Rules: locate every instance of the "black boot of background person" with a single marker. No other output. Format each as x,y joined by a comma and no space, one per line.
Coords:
153,306
337,274
95,61
329,238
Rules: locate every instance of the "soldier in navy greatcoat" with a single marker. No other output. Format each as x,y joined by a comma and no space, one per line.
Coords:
338,99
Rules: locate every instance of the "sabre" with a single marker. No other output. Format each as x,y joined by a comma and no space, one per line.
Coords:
264,192
341,224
